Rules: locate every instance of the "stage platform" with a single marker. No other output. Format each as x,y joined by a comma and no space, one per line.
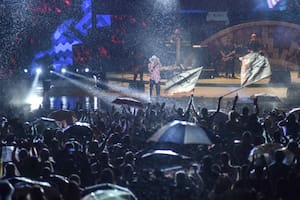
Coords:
206,93
216,86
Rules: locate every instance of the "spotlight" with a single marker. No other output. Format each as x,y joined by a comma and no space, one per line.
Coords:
86,70
51,69
77,70
38,70
25,70
63,70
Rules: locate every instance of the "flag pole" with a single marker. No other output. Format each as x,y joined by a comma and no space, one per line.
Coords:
233,91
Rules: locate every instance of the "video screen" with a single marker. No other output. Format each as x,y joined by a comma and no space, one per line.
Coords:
270,5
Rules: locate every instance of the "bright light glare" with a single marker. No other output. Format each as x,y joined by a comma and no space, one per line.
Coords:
86,70
63,70
34,101
38,70
25,70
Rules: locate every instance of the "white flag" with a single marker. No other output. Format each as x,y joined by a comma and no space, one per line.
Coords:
183,82
255,67
272,3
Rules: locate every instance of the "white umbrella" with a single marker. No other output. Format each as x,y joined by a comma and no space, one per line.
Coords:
108,191
181,132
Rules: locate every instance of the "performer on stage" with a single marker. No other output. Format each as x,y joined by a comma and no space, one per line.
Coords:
228,54
255,66
139,65
176,38
154,70
253,44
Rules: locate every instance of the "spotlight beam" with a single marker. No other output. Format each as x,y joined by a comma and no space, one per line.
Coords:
114,88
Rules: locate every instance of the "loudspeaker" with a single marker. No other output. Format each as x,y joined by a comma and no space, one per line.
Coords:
293,92
200,57
138,85
281,77
208,74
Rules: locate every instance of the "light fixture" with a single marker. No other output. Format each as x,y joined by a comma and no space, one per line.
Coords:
38,70
63,70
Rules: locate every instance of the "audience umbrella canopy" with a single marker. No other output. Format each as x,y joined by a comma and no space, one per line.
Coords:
294,111
61,115
79,130
107,191
162,160
128,101
266,97
220,117
43,123
181,132
266,150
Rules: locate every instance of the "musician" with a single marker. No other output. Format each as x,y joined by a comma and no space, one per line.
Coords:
253,44
139,65
154,70
176,38
228,54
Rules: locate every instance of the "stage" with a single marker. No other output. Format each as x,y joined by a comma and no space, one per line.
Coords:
206,93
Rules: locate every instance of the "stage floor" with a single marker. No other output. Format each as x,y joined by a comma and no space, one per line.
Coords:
214,87
68,92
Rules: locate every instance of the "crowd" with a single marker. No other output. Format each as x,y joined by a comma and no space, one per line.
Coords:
51,165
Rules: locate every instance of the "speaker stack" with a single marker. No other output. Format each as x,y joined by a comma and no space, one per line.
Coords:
280,77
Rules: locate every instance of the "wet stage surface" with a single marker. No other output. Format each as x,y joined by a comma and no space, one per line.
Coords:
69,94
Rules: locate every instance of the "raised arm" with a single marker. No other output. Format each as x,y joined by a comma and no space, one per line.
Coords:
256,106
218,108
234,102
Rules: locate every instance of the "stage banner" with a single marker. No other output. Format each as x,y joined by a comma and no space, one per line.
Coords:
184,81
255,67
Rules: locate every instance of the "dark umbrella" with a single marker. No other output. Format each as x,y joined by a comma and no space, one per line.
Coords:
162,160
220,117
266,150
61,115
266,97
181,132
43,123
296,112
79,130
128,101
22,184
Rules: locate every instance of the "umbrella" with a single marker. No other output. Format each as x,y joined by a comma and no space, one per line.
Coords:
266,150
296,112
266,97
61,115
21,185
128,101
162,160
43,123
107,191
220,117
79,130
181,132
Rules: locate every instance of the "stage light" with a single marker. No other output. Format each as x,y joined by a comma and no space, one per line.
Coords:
25,70
63,70
38,70
34,101
77,70
86,70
